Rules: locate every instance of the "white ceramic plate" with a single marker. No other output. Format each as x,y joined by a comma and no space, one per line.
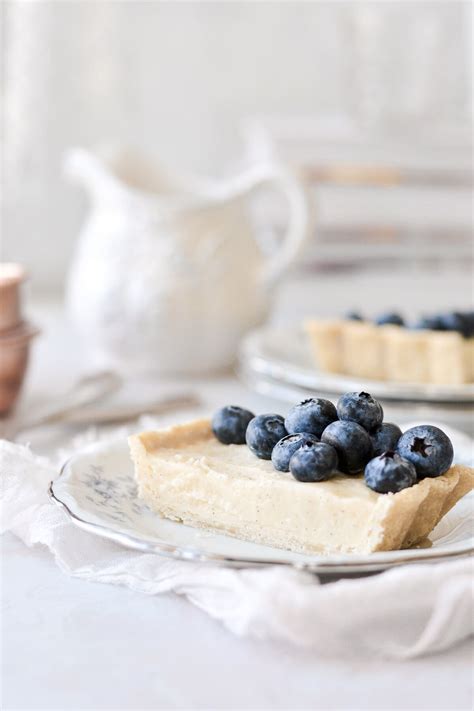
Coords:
282,355
97,490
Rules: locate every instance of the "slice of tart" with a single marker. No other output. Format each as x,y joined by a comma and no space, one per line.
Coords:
326,343
450,358
185,474
407,357
363,348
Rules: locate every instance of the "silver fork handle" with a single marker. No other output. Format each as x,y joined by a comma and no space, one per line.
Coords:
88,390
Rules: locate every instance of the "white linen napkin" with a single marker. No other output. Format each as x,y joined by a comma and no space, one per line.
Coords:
404,612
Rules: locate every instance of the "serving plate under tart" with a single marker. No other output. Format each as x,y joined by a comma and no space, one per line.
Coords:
97,490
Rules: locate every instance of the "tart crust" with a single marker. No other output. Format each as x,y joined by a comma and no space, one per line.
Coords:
391,353
184,474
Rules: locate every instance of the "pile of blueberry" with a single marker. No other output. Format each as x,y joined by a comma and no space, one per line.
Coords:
460,321
318,439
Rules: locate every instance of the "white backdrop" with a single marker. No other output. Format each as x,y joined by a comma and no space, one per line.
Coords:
178,78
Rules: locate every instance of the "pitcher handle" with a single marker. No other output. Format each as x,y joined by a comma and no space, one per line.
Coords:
299,218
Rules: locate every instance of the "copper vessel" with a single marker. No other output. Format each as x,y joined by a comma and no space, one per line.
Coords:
11,277
15,335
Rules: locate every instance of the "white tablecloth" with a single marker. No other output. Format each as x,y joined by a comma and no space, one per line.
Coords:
69,644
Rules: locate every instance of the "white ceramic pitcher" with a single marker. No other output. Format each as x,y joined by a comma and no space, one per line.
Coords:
167,274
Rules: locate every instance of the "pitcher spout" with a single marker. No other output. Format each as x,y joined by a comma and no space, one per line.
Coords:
121,170
87,169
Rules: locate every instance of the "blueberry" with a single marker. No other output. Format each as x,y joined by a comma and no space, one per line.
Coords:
313,462
353,316
361,408
312,416
457,321
469,320
263,432
428,448
385,438
431,323
286,447
229,424
390,318
352,444
461,322
389,473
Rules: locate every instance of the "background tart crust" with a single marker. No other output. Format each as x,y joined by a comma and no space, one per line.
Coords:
390,352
